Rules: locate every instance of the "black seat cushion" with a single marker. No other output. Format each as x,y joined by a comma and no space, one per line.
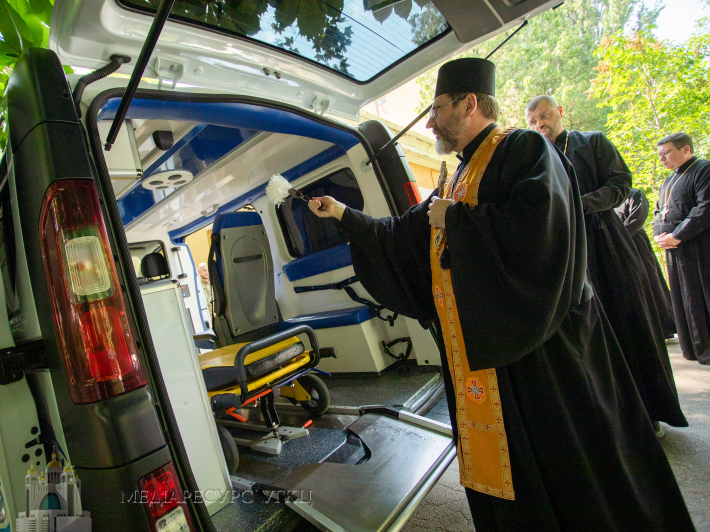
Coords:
154,265
219,377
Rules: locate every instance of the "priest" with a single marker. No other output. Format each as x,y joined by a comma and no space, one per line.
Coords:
615,268
634,213
681,225
550,430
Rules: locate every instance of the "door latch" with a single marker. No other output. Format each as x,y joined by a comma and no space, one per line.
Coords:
169,72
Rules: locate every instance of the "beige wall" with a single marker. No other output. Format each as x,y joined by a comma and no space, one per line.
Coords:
199,244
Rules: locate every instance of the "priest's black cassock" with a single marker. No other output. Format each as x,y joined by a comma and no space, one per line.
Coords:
583,453
686,195
634,213
617,273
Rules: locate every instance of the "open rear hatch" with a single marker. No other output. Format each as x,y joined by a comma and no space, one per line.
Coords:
337,55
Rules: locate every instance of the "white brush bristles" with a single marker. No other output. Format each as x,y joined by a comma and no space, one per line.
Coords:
277,189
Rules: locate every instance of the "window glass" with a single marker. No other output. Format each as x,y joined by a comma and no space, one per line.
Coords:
141,249
358,38
305,233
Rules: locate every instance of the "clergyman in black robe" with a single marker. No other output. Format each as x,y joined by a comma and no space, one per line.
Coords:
634,213
615,268
582,450
681,225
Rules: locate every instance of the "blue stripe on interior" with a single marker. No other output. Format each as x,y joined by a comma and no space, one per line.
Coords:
323,158
235,219
205,146
319,262
330,319
236,115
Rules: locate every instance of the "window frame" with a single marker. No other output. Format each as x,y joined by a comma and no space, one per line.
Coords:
283,223
163,247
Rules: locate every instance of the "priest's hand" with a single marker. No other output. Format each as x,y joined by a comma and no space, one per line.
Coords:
667,241
326,207
437,212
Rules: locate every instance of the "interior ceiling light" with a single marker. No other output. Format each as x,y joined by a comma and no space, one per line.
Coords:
167,180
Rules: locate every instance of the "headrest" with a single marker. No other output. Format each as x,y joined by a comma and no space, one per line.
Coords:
228,220
154,265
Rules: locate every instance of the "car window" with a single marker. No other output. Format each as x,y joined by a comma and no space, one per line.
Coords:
356,38
304,232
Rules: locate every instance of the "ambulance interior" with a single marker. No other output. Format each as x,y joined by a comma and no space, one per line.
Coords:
190,171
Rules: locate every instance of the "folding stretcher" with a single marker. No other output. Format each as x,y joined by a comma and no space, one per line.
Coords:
240,373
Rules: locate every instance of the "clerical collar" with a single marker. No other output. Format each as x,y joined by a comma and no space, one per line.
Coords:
472,146
682,168
560,141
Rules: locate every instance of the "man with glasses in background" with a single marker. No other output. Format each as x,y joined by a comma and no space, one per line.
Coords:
614,266
680,226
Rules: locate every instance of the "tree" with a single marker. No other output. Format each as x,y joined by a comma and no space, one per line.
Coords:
554,55
653,89
23,24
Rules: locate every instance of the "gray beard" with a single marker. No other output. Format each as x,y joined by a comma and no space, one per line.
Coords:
450,135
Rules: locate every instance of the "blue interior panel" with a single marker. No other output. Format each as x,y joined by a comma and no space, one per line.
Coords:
201,148
233,115
234,219
320,262
330,319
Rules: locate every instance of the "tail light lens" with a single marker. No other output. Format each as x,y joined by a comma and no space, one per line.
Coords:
164,501
412,191
97,347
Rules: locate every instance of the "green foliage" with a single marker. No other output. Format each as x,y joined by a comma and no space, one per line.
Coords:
554,55
654,88
23,24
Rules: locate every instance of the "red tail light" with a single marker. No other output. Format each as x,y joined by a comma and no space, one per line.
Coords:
164,501
98,351
412,191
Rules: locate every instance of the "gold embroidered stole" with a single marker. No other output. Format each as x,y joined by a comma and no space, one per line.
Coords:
484,462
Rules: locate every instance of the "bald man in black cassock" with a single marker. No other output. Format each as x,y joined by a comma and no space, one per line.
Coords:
615,268
524,339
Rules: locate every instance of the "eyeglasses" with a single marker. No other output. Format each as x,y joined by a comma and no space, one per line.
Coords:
664,154
435,108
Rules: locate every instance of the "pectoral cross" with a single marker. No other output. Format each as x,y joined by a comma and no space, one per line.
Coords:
663,213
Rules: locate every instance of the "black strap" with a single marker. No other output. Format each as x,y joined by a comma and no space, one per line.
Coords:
220,300
345,285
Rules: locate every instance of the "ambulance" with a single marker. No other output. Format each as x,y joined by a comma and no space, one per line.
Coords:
280,396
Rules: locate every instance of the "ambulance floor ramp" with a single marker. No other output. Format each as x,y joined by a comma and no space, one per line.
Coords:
403,459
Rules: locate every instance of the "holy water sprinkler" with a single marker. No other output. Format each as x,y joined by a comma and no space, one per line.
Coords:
279,189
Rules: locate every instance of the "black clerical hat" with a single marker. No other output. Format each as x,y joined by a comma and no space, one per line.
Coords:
469,74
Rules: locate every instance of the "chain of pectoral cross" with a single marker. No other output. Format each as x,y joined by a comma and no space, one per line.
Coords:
669,193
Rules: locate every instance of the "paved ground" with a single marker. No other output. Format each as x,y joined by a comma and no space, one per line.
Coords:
688,450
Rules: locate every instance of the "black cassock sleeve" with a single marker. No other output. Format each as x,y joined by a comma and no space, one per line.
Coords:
634,211
391,257
518,264
613,172
699,217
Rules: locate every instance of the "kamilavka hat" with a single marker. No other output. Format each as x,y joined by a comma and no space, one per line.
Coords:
469,74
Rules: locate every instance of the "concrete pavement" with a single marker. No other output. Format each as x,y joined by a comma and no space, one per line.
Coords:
445,508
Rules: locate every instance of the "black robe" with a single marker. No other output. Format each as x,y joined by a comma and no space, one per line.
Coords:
634,213
583,452
688,265
617,273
